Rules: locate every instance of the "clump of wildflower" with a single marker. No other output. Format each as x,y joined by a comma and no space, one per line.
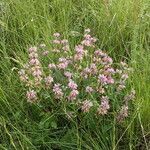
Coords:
92,68
104,106
31,96
86,105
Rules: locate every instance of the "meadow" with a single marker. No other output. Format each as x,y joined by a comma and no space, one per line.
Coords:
122,29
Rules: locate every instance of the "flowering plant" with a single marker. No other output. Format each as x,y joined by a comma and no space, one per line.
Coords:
82,78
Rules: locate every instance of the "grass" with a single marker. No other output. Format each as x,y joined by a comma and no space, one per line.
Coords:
122,28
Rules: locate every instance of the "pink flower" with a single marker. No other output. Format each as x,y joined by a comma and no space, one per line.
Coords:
107,60
103,108
89,89
102,78
124,76
57,91
78,57
110,70
93,69
31,96
48,80
79,49
64,41
34,61
86,105
73,95
45,53
36,71
65,48
33,55
56,41
88,40
52,66
63,63
100,53
86,72
68,74
72,85
101,90
32,49
120,87
110,80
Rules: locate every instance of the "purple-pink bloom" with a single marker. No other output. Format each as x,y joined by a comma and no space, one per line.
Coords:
32,49
45,53
73,95
68,74
48,80
52,66
89,89
110,80
31,96
56,41
104,106
58,91
102,79
86,105
72,85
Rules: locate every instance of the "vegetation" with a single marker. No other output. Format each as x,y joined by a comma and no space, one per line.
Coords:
122,30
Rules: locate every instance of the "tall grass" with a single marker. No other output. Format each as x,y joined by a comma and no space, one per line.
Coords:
122,28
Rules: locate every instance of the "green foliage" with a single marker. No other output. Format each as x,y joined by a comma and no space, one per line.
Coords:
122,27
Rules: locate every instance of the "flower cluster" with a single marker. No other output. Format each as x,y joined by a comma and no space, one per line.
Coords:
83,76
35,65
